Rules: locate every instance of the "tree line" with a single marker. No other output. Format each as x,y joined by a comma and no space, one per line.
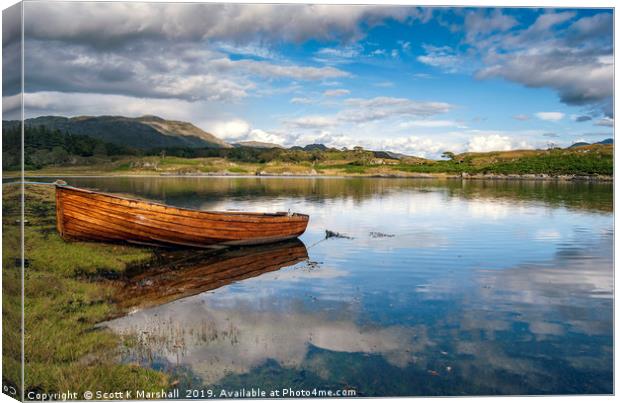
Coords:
43,147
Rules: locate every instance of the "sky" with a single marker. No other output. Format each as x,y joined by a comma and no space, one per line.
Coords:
419,81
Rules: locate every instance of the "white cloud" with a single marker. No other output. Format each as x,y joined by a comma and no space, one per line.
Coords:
301,100
267,69
339,55
574,59
489,143
546,21
381,107
180,71
331,83
249,49
379,52
232,129
364,110
206,86
521,117
336,93
311,122
481,21
431,123
240,23
495,142
607,122
72,104
550,116
443,57
11,107
405,45
267,137
420,146
347,51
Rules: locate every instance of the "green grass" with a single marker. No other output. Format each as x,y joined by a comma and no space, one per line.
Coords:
587,161
348,168
65,298
208,169
556,163
179,161
126,166
237,170
355,169
11,289
435,167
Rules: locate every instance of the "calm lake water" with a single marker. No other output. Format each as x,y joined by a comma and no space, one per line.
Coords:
440,288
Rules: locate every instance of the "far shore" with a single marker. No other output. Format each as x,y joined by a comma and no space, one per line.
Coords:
399,175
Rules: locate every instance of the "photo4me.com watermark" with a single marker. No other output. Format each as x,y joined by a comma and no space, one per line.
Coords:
250,393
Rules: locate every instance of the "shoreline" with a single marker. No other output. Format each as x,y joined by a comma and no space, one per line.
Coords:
404,175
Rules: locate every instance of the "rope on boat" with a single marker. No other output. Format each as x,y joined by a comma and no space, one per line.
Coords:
316,243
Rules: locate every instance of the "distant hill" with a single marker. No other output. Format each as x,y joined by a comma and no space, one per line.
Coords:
311,147
390,154
142,132
256,144
583,143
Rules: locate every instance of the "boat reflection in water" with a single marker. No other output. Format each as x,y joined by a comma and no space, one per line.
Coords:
180,274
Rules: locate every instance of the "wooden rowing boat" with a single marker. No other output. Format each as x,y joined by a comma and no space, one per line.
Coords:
93,216
179,274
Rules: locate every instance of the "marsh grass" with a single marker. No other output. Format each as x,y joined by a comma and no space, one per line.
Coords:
11,288
65,299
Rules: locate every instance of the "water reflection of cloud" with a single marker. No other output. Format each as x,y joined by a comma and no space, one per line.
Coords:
494,209
547,234
301,272
218,341
575,289
552,310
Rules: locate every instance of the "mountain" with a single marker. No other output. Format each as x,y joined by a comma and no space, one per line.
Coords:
583,143
390,155
142,132
256,144
579,144
311,147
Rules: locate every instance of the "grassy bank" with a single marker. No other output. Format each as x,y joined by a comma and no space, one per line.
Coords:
593,160
66,295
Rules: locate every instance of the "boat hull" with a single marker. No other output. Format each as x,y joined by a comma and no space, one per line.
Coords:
93,216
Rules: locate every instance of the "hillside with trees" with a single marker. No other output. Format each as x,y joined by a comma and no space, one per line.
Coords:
54,150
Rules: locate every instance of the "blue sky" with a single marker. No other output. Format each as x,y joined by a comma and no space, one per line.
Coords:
414,80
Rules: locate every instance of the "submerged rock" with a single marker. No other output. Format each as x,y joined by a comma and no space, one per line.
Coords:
381,235
334,234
